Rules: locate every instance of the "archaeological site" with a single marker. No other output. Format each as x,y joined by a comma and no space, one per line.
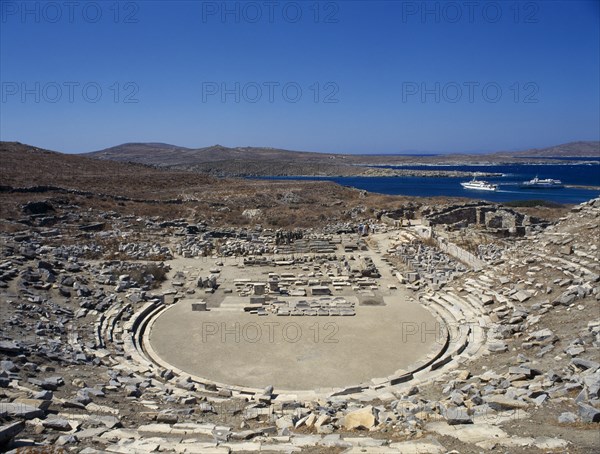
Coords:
134,322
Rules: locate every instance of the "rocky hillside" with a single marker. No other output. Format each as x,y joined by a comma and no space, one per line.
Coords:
76,284
566,150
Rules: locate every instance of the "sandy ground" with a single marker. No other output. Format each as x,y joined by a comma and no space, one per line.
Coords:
293,353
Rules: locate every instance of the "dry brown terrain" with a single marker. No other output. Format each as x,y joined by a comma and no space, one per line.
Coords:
143,190
91,252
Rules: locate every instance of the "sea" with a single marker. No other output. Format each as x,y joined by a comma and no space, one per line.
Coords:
584,172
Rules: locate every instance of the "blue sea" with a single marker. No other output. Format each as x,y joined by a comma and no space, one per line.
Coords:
584,174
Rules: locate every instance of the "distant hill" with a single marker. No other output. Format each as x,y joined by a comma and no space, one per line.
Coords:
219,160
161,154
566,150
157,153
28,166
225,161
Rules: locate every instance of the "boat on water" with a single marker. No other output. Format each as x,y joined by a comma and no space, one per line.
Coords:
479,185
546,183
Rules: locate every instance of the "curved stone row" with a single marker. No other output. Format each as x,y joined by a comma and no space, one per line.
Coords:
462,334
468,326
106,325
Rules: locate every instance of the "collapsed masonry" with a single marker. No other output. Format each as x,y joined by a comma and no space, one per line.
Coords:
337,306
427,264
398,216
496,219
535,313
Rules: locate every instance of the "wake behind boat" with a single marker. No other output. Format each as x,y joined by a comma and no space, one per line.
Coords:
479,185
546,183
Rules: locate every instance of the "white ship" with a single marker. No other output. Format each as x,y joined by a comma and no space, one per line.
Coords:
479,185
547,183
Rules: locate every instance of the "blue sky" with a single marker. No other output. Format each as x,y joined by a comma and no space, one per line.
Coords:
346,76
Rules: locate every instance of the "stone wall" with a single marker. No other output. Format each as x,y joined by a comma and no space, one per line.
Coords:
453,250
495,218
461,254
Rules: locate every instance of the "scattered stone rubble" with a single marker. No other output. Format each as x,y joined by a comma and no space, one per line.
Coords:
74,372
321,274
426,264
495,218
145,251
257,243
315,307
490,252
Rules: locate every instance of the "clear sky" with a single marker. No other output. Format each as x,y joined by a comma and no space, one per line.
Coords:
346,76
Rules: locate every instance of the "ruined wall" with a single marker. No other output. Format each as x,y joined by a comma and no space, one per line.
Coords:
453,250
458,214
461,254
498,219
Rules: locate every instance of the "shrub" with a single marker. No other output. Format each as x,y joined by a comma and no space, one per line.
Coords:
140,272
